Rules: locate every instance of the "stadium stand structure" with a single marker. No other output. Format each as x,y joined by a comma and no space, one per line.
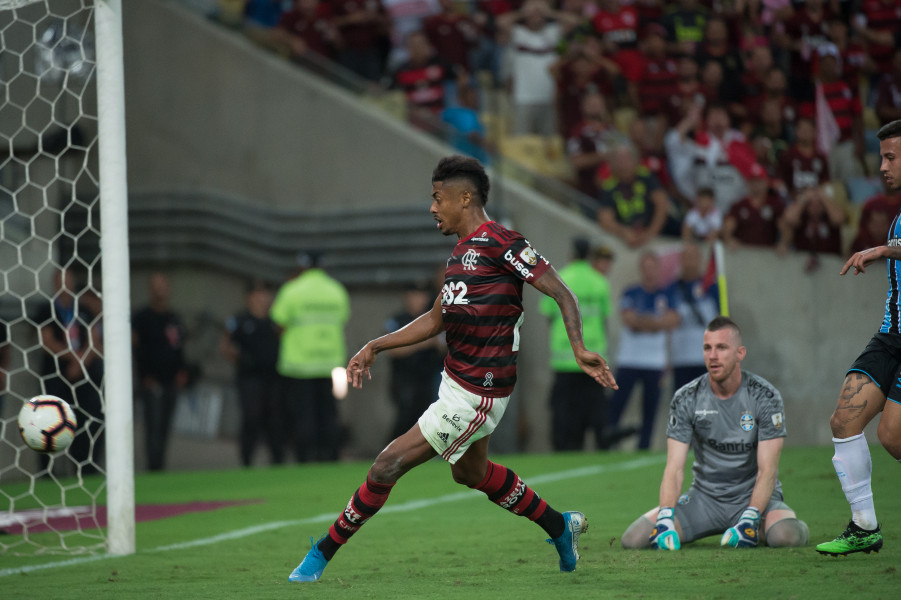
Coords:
386,246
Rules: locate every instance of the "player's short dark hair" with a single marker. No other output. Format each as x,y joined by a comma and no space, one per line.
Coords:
889,130
719,323
463,167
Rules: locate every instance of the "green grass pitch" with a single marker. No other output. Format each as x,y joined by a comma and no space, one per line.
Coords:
436,539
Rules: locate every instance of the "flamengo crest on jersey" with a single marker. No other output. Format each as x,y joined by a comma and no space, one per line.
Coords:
482,307
891,322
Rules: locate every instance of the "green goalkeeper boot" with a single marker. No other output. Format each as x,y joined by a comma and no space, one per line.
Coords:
853,539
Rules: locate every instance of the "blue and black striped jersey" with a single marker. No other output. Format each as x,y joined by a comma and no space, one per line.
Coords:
891,322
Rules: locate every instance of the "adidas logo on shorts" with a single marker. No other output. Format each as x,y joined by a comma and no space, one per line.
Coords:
443,437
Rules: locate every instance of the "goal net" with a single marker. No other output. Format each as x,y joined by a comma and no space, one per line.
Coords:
64,285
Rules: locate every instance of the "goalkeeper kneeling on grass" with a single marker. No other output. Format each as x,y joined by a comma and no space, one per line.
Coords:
734,422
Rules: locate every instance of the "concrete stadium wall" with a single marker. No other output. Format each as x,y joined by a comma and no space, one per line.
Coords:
208,109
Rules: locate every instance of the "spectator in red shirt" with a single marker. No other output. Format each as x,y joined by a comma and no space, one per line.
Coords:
877,22
775,88
853,56
876,217
582,69
888,94
617,25
872,232
812,223
802,165
647,137
846,154
649,11
363,26
405,17
714,83
804,32
423,78
753,85
307,27
453,35
590,141
688,91
754,220
717,48
656,82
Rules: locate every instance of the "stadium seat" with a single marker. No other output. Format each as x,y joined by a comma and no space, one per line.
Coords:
543,155
394,103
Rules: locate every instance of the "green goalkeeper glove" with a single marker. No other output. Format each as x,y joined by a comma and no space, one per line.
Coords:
744,533
664,536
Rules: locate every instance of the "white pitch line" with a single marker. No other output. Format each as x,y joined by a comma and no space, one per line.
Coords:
328,517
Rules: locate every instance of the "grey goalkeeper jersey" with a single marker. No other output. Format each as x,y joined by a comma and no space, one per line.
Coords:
724,433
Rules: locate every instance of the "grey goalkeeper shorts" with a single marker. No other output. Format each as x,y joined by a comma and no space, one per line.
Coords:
701,515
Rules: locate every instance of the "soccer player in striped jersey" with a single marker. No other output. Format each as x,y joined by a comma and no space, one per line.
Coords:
480,310
873,378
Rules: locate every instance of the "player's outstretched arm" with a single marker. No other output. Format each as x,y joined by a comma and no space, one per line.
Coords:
859,261
425,326
768,453
673,472
592,363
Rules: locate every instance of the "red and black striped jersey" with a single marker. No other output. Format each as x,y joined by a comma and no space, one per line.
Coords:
482,307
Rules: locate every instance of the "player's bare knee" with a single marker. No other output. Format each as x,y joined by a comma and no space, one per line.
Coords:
466,475
387,468
837,424
638,534
788,533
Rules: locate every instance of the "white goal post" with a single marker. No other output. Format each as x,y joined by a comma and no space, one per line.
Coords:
62,160
114,258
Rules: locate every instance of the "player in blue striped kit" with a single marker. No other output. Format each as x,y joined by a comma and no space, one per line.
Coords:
873,378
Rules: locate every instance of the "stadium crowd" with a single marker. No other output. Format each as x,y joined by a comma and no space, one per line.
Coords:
751,101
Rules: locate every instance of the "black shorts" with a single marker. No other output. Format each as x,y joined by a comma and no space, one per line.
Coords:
881,361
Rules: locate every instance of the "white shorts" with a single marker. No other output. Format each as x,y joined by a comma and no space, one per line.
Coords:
458,418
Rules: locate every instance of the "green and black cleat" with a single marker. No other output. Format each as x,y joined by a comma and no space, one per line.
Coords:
853,539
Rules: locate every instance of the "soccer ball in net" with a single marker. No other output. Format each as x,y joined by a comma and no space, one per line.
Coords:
47,424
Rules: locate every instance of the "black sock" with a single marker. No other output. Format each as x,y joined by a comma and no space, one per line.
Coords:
552,522
328,547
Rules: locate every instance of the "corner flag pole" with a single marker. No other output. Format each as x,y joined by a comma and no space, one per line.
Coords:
721,277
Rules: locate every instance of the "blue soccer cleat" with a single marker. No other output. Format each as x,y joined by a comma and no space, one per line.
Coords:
312,566
568,543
